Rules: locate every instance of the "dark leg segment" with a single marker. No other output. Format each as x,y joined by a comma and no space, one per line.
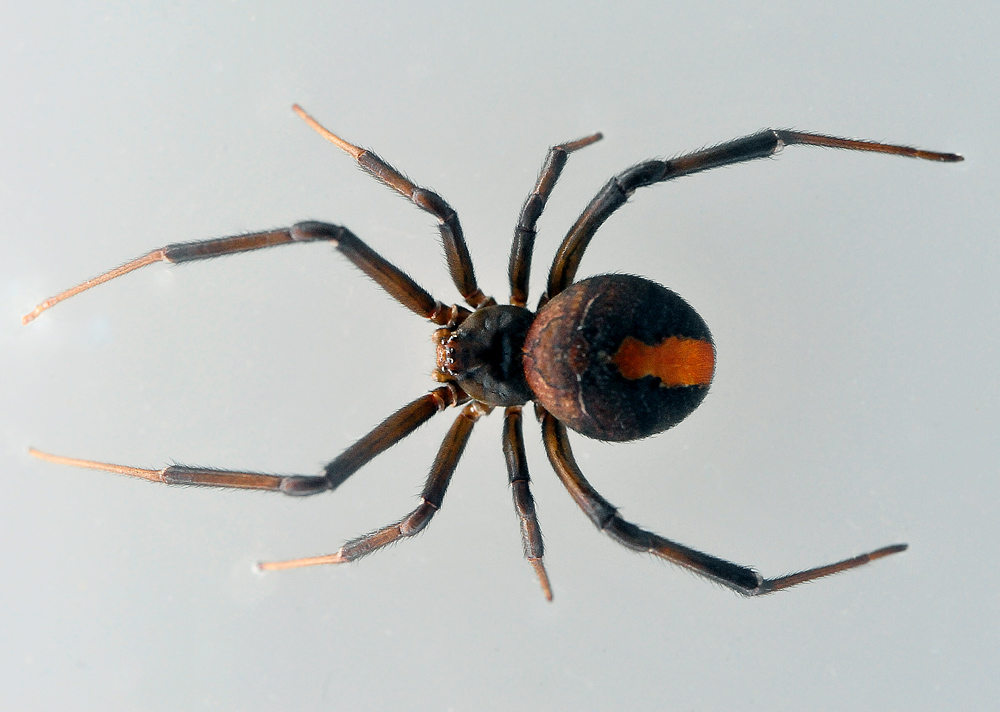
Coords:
431,498
604,515
524,234
456,251
392,279
389,432
524,503
759,145
393,429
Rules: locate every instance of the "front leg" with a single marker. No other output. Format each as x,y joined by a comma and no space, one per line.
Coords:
392,279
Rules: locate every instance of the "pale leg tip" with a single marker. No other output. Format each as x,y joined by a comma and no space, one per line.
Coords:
30,316
543,578
299,563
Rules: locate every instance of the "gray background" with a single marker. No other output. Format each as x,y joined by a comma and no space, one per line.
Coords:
853,297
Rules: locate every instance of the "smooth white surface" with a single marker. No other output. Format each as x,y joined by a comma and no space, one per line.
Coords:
854,299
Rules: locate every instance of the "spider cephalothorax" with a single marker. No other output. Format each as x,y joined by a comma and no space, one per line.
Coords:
614,357
483,354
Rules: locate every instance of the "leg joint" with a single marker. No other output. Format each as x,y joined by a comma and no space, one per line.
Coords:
448,395
628,534
641,175
532,209
311,230
601,512
414,523
433,203
304,486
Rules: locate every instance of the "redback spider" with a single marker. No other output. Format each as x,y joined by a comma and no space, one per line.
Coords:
613,357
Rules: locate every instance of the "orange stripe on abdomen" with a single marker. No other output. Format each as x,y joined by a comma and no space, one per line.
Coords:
676,361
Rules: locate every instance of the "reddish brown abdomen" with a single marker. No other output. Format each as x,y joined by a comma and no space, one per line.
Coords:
618,357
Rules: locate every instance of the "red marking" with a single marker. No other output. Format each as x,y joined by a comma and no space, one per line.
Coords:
676,361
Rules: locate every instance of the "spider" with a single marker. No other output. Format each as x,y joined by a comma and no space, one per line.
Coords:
614,357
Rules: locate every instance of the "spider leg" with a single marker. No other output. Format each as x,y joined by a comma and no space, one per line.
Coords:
524,503
393,429
603,514
524,234
392,279
760,145
456,251
431,498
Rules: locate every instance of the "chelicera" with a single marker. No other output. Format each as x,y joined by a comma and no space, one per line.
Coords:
613,357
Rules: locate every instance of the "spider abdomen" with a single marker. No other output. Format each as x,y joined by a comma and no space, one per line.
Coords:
618,357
